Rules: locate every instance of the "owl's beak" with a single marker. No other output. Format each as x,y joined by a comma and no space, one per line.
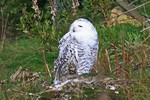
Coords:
74,29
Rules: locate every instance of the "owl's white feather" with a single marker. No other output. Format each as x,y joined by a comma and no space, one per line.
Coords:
78,50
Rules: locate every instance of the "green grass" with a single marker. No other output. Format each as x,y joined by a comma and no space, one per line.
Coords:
27,53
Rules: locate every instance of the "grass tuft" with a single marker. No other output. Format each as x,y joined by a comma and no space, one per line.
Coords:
123,56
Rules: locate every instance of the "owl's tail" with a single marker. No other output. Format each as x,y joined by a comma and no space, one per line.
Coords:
57,75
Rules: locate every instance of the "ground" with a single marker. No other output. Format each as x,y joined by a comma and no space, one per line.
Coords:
123,54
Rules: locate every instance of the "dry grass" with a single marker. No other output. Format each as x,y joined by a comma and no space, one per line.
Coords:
124,74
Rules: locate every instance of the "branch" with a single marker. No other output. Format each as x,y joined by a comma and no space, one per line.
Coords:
136,7
133,12
129,8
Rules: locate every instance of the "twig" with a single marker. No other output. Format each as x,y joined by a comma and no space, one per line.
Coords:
132,2
123,54
46,66
145,29
23,85
5,92
143,41
108,61
2,14
148,20
4,27
16,76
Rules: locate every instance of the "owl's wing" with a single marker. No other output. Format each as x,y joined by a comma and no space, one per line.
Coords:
67,48
87,57
64,39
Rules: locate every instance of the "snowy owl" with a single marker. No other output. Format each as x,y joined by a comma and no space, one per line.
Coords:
78,50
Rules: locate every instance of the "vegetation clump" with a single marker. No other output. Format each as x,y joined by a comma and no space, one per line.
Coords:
29,37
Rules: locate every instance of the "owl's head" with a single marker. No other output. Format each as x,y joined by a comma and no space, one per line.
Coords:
81,25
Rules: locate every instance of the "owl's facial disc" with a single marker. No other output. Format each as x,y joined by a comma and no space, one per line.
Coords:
81,25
